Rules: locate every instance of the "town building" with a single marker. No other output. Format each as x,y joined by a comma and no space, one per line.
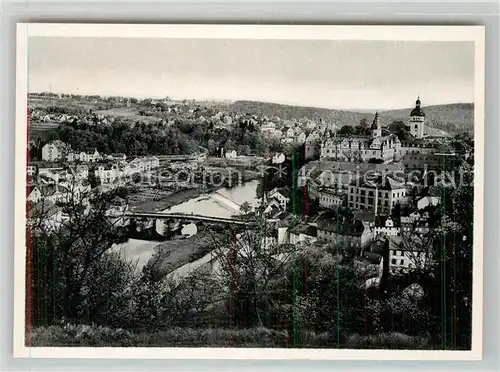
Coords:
386,225
330,198
46,215
339,175
358,148
379,194
116,157
351,234
35,195
302,233
278,158
232,154
31,170
417,121
281,195
406,254
312,145
54,151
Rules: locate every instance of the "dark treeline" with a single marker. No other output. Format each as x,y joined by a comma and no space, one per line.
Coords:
181,136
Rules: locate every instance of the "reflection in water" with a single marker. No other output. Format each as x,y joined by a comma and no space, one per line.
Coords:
141,251
207,206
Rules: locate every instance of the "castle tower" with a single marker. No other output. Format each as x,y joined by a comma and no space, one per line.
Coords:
417,119
376,127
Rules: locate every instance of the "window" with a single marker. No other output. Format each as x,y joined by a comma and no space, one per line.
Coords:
402,262
393,261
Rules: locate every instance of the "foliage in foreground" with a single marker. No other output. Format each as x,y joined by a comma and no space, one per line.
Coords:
99,336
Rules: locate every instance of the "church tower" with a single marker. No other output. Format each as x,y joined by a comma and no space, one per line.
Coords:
417,119
376,127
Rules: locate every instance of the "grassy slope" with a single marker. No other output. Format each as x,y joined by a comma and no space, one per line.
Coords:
176,253
94,336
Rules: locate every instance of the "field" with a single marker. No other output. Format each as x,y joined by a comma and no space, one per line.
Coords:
157,200
62,102
129,113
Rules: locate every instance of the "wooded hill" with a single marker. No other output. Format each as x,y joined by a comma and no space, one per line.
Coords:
450,117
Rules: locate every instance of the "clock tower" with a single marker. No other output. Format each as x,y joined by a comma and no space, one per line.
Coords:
417,119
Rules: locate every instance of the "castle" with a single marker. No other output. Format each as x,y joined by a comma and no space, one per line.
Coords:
374,148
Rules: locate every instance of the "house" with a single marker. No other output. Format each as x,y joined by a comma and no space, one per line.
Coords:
278,158
47,215
301,138
55,193
95,156
311,124
118,207
231,154
281,195
108,174
55,150
272,207
330,198
352,233
155,162
302,233
116,157
51,175
35,195
427,201
386,225
341,174
31,170
361,148
405,255
379,193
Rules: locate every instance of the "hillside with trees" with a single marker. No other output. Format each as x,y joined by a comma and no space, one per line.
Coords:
449,118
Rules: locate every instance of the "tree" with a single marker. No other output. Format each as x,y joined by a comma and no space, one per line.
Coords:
346,130
245,208
67,254
256,274
363,126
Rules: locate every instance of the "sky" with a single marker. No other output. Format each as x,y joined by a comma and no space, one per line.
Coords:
322,73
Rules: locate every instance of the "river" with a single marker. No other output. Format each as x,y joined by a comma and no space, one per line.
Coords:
211,205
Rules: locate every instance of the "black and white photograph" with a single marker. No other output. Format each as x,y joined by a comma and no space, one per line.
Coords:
220,191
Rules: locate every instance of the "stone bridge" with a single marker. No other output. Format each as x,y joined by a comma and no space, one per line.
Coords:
185,217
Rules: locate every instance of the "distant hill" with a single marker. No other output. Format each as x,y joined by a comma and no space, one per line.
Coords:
448,118
285,112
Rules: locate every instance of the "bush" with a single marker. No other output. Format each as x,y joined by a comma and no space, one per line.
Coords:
392,340
98,336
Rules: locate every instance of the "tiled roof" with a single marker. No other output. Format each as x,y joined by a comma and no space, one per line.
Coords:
355,228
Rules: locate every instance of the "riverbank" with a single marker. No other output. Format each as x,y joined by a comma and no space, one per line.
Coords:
169,201
173,254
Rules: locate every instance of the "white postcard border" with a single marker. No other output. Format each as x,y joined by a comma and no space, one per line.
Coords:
395,33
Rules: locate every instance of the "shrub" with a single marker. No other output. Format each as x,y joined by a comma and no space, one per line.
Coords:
392,340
